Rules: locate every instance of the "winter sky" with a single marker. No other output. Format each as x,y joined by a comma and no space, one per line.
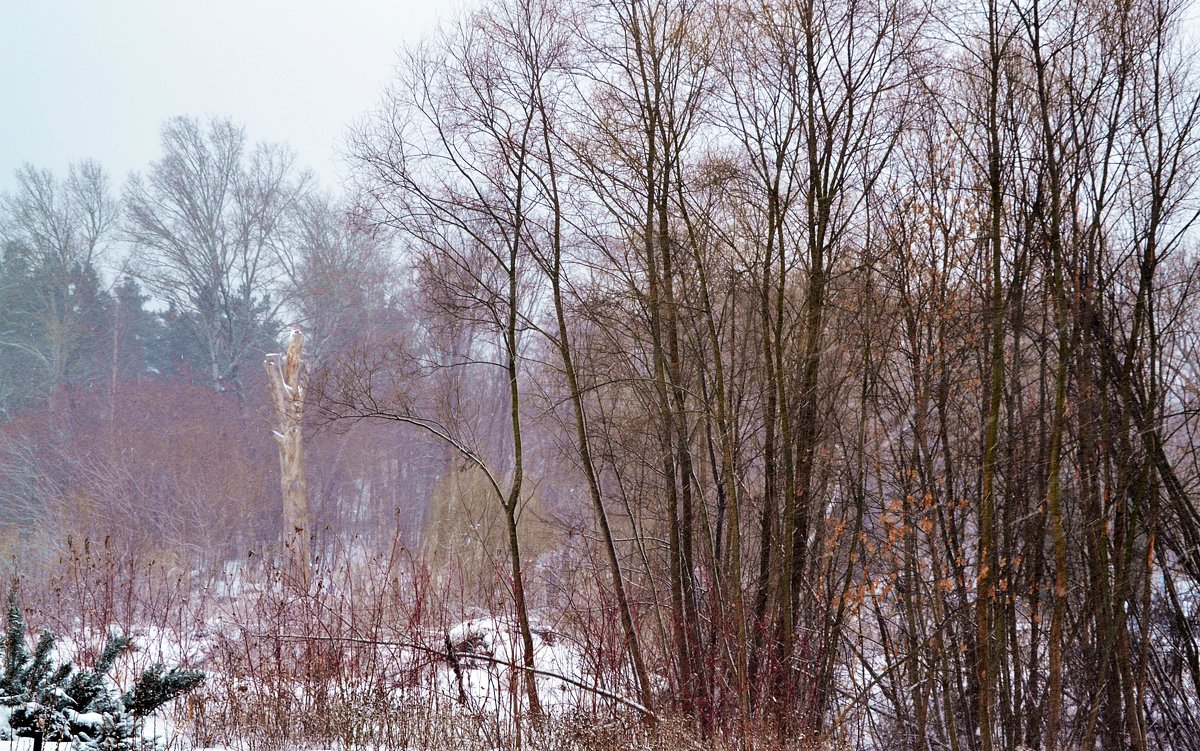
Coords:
96,78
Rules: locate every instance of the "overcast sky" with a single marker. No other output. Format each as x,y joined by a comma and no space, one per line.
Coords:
96,78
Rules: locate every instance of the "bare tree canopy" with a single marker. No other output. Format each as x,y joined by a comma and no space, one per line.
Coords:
210,223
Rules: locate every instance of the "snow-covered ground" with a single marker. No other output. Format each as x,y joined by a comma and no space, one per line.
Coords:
485,690
490,646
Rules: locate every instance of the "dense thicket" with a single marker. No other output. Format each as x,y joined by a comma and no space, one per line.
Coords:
869,328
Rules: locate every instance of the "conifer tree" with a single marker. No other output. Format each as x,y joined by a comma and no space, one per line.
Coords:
63,703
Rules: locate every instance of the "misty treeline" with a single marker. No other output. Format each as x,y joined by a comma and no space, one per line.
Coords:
133,323
841,355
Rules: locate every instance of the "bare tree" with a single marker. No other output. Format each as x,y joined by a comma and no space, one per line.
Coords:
65,225
448,163
209,222
343,280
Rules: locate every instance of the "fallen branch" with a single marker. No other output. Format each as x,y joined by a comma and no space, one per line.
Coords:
454,655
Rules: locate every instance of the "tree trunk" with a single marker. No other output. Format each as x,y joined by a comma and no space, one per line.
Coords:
283,373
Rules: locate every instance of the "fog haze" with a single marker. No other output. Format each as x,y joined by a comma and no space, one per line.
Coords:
96,80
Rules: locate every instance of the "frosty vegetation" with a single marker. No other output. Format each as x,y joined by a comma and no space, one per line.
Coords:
45,701
705,374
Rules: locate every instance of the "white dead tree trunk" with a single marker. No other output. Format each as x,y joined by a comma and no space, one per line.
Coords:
287,394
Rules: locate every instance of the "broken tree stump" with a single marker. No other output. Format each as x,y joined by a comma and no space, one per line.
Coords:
287,394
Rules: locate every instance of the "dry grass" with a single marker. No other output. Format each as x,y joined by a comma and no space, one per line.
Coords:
322,667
